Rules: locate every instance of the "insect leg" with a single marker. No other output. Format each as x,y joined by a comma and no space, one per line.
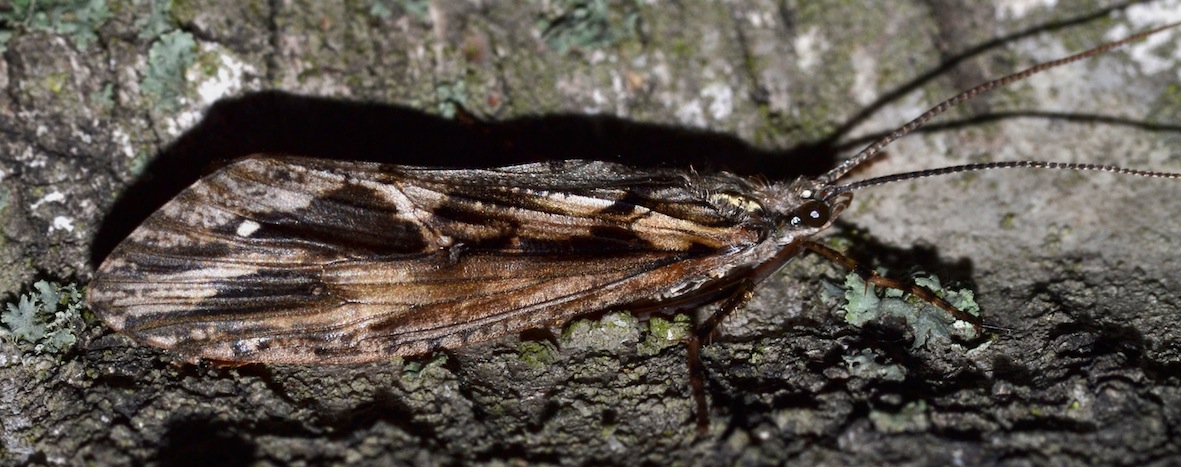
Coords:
874,278
742,293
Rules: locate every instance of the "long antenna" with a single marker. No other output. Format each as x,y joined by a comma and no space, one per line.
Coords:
996,165
873,149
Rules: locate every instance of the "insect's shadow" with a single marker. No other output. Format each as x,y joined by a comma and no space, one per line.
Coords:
752,392
899,261
205,436
205,442
204,439
280,123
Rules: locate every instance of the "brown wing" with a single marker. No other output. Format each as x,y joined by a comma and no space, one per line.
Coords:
302,260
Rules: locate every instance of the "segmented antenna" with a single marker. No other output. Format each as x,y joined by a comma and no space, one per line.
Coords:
996,165
873,149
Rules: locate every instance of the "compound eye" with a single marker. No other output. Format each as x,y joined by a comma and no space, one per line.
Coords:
810,214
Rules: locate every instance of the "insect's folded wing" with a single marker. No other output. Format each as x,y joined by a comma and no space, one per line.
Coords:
363,310
415,307
280,261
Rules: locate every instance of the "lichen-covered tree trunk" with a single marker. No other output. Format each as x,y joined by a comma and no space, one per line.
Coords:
110,108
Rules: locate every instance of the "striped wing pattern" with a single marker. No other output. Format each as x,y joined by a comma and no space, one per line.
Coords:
281,259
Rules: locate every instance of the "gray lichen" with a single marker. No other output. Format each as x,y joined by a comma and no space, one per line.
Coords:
452,97
45,320
588,24
664,333
75,18
927,321
168,59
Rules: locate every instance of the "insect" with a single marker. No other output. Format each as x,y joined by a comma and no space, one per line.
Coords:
283,259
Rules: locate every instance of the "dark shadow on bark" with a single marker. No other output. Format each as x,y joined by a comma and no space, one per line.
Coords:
273,122
899,262
281,123
206,442
202,440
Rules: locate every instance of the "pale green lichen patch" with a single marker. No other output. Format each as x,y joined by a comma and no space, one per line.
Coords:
863,305
451,96
614,329
925,320
664,333
103,99
385,9
168,59
588,24
75,18
420,368
537,354
158,22
45,320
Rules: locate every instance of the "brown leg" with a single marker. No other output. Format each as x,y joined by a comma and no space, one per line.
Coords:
697,383
872,277
704,333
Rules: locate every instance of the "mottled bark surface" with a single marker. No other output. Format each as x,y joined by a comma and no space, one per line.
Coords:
106,114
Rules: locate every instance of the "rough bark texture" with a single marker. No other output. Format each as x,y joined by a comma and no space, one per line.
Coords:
105,116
